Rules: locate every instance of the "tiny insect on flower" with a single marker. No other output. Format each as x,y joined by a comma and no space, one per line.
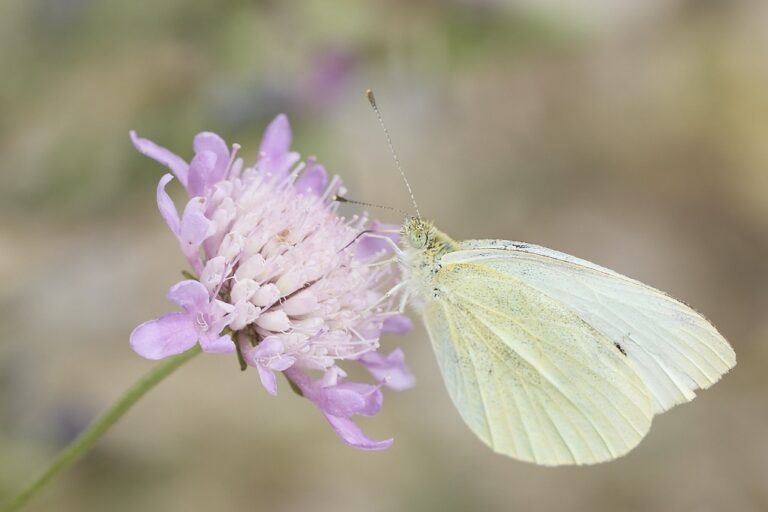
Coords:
284,281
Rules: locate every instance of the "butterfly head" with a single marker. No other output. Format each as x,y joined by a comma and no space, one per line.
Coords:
423,237
417,232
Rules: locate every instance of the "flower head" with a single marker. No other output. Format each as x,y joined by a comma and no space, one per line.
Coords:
281,278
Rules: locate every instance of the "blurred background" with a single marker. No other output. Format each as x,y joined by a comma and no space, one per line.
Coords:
629,133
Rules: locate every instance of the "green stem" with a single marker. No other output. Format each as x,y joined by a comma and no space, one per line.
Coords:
99,427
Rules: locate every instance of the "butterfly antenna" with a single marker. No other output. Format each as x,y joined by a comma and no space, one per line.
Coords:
341,199
372,101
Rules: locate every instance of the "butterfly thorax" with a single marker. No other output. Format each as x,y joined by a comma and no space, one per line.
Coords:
423,247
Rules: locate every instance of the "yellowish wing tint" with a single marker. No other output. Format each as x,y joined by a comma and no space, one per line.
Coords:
674,349
530,377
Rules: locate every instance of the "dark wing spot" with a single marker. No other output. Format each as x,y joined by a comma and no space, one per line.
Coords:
621,349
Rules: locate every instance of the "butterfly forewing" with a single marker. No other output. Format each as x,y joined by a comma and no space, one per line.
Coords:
530,377
674,349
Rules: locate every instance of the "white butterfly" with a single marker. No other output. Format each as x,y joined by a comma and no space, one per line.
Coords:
552,359
549,358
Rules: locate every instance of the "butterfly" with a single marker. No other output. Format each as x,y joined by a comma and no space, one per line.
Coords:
549,358
552,359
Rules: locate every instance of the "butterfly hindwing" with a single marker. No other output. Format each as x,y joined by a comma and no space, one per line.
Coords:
531,378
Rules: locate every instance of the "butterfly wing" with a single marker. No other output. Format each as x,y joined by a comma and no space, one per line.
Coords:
529,377
674,349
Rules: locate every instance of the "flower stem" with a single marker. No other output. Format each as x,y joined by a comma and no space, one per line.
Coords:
99,427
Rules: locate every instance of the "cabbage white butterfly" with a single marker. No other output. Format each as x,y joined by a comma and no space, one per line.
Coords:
548,358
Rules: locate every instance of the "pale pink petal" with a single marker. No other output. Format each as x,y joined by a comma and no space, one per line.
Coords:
166,206
219,315
281,363
368,246
351,399
201,169
351,434
312,181
338,401
397,324
195,226
277,139
274,155
220,345
208,141
190,295
267,380
390,369
169,159
270,346
167,336
372,397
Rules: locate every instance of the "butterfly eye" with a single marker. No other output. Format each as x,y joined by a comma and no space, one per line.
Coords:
418,239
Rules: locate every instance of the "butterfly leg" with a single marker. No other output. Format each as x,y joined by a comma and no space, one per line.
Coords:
392,291
403,300
380,263
395,248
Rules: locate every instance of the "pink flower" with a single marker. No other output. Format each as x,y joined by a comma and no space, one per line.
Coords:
202,321
281,278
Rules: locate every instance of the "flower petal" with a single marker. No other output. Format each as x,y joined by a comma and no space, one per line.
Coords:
195,226
338,401
397,324
220,345
371,395
167,336
351,434
169,159
281,363
190,295
202,170
312,181
166,206
270,346
267,380
209,141
274,155
277,139
390,369
353,397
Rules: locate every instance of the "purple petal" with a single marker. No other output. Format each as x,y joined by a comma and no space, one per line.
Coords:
195,226
282,363
190,295
167,336
338,401
367,246
397,324
312,181
277,139
166,206
390,369
351,434
208,141
220,345
274,155
202,169
219,314
269,347
345,399
372,397
267,380
174,162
